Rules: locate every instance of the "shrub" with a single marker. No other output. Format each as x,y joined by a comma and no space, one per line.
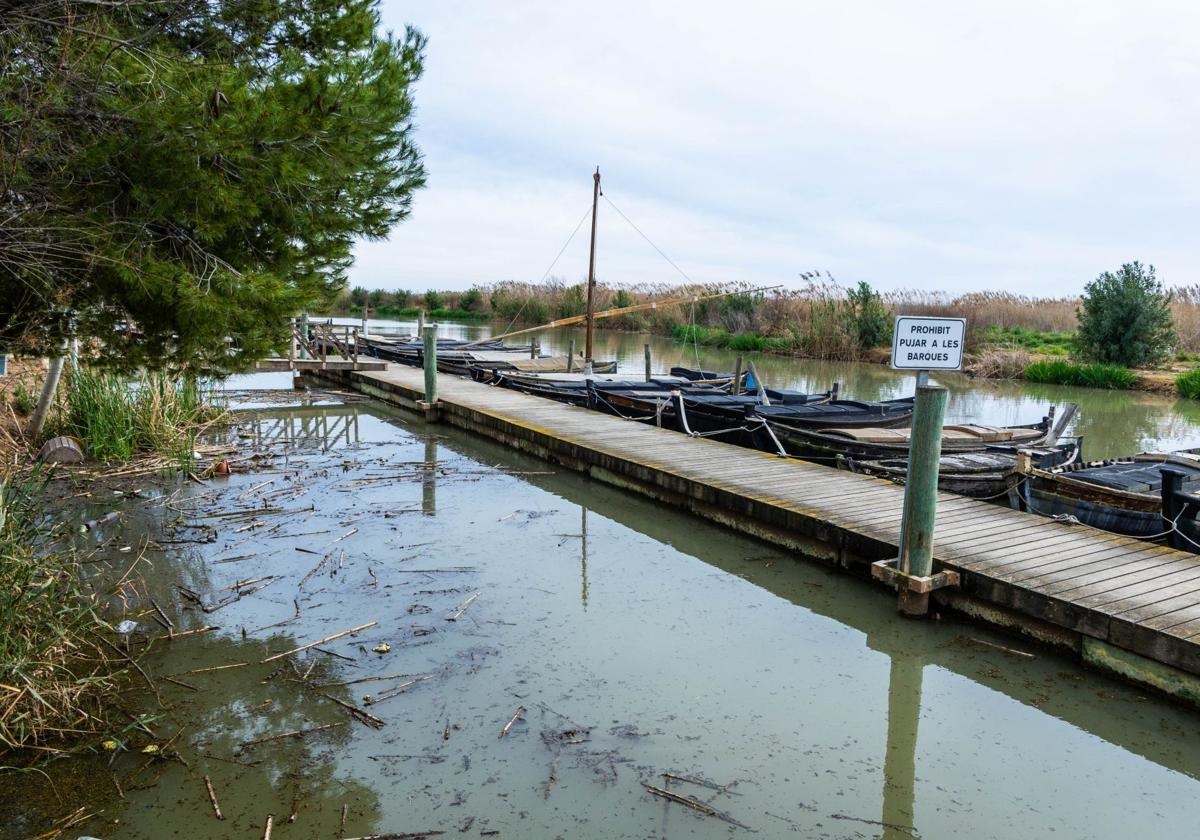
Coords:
23,399
434,300
868,318
621,299
471,300
1188,384
1059,372
1125,318
572,302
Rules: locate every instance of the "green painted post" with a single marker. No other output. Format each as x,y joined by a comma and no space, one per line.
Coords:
920,493
304,335
429,334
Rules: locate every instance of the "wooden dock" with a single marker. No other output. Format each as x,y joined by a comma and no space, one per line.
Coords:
310,365
1130,607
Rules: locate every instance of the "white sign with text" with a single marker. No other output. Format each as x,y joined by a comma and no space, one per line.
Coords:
920,343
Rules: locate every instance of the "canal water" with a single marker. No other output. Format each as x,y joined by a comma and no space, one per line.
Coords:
1112,423
599,643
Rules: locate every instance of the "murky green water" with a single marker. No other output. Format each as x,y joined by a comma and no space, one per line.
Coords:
638,640
1113,423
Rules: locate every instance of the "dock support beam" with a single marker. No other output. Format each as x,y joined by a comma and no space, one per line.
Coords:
429,336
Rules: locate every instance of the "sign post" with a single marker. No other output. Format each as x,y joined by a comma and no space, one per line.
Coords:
922,344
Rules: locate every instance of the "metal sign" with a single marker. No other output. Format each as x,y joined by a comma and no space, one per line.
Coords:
920,343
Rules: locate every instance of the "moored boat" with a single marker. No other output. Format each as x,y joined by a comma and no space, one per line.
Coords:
1123,495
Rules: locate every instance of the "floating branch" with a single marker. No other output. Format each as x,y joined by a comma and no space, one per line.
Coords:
335,636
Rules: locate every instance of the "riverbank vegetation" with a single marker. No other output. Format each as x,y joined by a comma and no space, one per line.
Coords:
119,417
55,672
1123,320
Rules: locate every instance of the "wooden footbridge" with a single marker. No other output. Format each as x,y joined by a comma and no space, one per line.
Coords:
1130,607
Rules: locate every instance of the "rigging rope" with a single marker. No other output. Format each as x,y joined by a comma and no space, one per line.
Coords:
553,263
682,273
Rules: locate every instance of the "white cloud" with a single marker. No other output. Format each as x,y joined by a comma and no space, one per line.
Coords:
1024,146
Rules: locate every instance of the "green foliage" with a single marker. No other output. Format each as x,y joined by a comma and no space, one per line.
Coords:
377,298
1045,343
359,297
435,314
471,300
573,301
869,321
1188,384
1059,372
718,337
196,170
433,300
1125,318
401,297
23,399
622,299
118,417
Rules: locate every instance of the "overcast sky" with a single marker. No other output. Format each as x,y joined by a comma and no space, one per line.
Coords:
934,145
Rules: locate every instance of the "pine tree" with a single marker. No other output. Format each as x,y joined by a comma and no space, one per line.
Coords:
182,172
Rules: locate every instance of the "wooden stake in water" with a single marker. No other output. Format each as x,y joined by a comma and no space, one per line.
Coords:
737,376
570,355
647,348
429,335
920,493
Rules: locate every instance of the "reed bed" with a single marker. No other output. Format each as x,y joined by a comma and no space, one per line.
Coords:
119,417
54,669
812,320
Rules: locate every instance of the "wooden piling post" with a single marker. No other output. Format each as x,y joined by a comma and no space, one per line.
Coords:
648,371
429,335
1171,487
534,347
420,322
737,376
570,355
292,344
354,349
304,336
920,494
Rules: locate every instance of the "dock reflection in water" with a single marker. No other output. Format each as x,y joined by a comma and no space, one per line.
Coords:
680,647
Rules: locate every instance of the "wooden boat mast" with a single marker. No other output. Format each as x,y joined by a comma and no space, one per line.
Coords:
591,286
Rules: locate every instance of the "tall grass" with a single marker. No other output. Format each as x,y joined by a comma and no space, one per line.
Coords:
54,672
1059,372
1188,384
118,417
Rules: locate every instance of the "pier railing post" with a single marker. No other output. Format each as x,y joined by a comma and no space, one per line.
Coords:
920,494
429,336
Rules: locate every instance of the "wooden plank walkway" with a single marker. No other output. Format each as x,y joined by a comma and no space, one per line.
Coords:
1129,594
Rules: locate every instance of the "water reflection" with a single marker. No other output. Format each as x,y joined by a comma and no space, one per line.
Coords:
1114,423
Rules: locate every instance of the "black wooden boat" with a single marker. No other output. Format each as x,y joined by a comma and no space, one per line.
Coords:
989,474
1123,495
